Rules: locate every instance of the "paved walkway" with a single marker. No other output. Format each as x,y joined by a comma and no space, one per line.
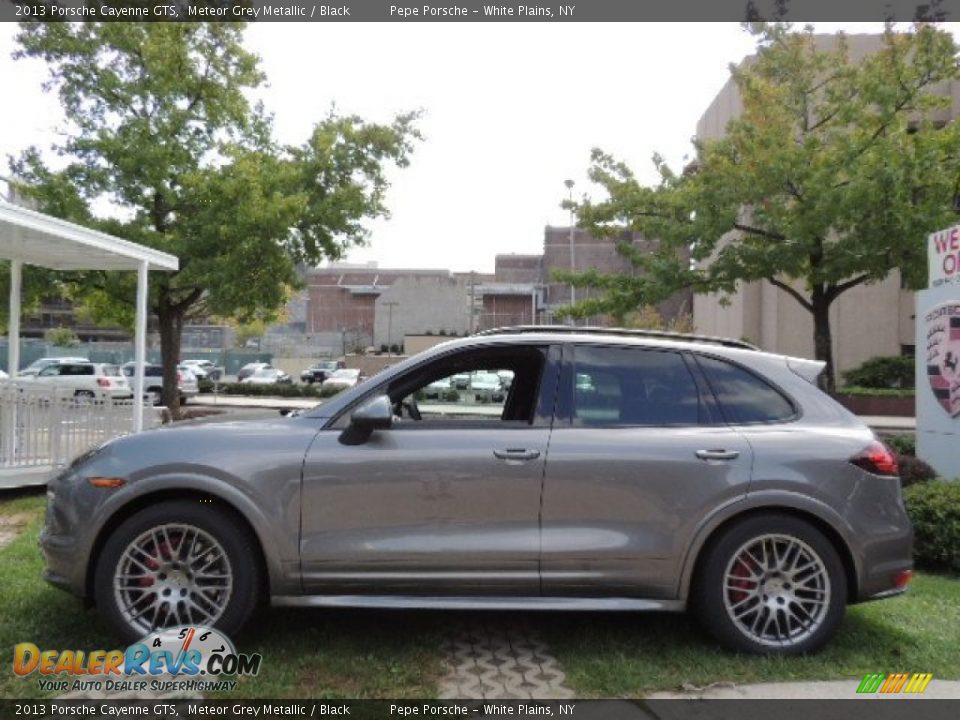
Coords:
491,659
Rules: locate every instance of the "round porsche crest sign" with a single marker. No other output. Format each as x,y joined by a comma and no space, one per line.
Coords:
943,355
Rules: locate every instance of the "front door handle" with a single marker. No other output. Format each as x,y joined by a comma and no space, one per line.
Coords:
516,454
718,454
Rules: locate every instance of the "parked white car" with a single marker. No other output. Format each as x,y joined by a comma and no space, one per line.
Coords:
249,369
268,376
87,380
486,386
203,369
34,368
153,382
437,389
343,378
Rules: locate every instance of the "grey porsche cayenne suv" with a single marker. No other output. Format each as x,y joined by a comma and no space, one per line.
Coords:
621,471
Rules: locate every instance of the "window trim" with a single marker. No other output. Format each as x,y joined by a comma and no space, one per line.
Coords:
794,405
551,363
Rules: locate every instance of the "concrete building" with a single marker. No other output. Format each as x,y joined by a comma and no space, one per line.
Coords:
866,321
417,304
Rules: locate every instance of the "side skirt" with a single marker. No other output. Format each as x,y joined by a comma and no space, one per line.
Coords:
477,603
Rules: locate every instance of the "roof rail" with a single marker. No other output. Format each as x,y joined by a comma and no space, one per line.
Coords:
626,332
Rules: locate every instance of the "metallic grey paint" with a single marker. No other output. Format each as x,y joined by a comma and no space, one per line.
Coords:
571,518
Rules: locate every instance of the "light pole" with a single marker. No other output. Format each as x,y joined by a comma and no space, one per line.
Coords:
573,251
390,304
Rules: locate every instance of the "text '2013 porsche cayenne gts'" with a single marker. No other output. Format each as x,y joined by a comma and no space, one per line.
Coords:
615,470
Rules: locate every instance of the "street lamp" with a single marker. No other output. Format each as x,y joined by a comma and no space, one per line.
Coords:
573,255
390,304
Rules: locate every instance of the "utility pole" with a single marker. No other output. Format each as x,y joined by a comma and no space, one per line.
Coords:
573,251
390,304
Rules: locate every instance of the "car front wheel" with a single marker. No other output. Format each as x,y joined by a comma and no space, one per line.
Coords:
772,585
177,563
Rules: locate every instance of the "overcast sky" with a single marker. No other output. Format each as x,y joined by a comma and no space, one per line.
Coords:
510,112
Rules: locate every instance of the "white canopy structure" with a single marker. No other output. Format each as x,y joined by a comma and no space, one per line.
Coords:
31,237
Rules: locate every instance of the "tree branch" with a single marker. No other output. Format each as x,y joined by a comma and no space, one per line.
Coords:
834,290
188,300
792,292
759,231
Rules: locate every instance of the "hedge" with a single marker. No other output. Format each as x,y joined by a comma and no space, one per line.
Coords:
276,390
934,509
892,371
875,392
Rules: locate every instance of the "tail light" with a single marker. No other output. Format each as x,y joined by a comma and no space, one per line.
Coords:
103,382
179,377
878,459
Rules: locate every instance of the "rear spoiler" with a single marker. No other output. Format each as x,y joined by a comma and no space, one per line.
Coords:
809,370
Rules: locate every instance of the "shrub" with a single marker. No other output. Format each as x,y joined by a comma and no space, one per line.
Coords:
903,444
913,470
875,392
892,371
934,508
205,385
451,396
272,390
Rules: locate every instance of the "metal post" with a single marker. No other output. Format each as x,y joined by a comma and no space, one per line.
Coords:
390,305
13,325
573,251
140,345
13,355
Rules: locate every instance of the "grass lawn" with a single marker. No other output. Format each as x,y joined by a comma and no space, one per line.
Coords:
306,653
362,653
632,655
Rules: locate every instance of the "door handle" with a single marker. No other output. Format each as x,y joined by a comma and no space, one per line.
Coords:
516,454
718,454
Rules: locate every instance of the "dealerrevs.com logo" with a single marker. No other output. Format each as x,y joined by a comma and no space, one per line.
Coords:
175,659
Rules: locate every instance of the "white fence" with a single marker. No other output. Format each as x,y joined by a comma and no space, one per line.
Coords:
44,426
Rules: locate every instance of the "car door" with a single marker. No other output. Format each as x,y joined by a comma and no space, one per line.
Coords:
445,505
638,457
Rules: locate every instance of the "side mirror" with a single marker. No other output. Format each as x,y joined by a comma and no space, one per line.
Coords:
375,414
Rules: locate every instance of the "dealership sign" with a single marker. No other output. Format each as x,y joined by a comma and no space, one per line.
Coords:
943,355
943,257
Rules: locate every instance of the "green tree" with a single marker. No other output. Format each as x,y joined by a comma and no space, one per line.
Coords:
832,176
161,127
61,337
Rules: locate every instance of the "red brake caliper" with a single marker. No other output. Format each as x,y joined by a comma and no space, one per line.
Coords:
743,572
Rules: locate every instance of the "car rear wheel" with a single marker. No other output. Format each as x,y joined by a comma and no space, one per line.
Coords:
177,563
772,585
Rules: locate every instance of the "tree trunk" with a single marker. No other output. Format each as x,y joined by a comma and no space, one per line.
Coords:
171,327
822,339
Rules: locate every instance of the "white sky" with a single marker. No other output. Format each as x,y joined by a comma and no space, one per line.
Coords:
510,112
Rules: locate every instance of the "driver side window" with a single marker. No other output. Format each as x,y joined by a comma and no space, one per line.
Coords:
477,387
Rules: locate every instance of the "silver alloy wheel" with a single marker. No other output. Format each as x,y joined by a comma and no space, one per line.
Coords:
172,574
776,589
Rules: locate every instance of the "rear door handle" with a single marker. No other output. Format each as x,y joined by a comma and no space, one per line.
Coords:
718,454
516,454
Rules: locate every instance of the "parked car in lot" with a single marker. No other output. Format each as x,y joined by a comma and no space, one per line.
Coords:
203,369
320,371
34,368
249,369
437,389
342,378
486,387
268,376
187,382
86,380
694,473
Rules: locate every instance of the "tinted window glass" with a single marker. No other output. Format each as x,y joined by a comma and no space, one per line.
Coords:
743,396
630,386
76,370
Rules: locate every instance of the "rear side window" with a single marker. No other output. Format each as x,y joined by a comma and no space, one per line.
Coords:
619,386
744,397
77,370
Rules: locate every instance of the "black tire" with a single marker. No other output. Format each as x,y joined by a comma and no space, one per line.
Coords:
85,395
155,395
711,596
222,525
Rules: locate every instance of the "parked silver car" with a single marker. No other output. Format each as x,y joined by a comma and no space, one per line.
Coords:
683,473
